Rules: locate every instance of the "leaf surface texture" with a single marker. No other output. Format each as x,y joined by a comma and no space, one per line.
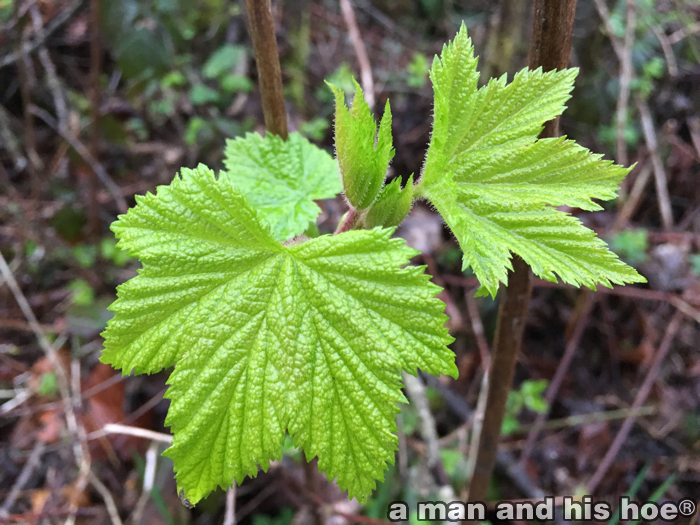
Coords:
496,185
282,179
307,338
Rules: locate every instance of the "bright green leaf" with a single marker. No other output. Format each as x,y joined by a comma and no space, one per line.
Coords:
392,205
236,83
224,60
496,185
82,292
631,245
48,384
201,94
694,260
418,71
363,153
282,179
315,129
194,126
109,250
266,337
85,255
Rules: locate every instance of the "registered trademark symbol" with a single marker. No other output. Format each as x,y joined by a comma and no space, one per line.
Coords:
687,507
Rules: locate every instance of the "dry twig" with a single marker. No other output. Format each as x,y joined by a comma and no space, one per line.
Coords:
626,73
51,75
668,51
572,345
478,329
604,14
630,206
23,478
56,23
659,172
113,428
149,477
52,357
230,515
107,497
416,394
679,35
360,50
80,148
639,400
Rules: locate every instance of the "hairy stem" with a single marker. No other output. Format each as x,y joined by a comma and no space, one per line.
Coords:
348,222
267,60
549,49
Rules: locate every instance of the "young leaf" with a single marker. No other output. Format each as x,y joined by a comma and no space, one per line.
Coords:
282,179
266,337
468,120
392,205
495,184
363,154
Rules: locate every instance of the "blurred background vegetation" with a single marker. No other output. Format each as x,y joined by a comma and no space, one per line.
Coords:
101,100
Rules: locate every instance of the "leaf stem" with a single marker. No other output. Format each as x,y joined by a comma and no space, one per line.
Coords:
267,60
348,222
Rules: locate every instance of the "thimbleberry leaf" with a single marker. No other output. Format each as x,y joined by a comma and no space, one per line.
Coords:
496,185
363,152
282,179
309,338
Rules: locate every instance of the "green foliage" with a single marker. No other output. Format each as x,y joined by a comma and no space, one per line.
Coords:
363,153
418,71
266,338
315,129
110,251
392,205
285,518
341,78
273,334
636,485
202,94
694,260
631,245
48,385
529,396
223,61
193,128
85,255
221,66
82,292
282,179
496,185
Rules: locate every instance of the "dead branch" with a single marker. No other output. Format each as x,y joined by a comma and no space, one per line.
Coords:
639,400
82,150
360,51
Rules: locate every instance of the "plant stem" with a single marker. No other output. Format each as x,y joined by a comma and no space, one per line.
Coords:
348,222
267,60
549,49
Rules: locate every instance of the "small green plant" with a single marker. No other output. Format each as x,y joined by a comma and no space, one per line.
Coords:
272,333
694,260
631,245
529,395
82,292
418,71
636,485
48,385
